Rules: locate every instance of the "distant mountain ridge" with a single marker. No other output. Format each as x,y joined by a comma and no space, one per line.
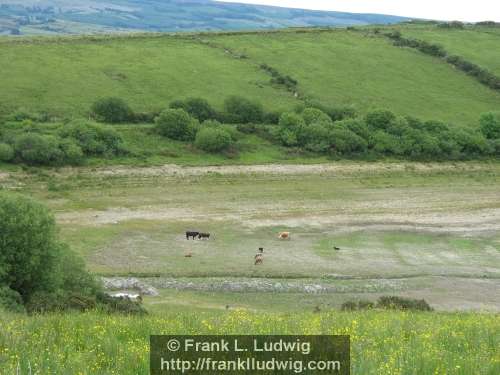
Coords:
28,17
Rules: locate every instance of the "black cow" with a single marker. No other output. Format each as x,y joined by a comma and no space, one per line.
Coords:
192,234
202,236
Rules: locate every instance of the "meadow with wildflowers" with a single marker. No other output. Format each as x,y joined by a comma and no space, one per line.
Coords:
382,342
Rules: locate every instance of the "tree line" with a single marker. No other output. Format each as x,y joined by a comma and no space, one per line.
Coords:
311,127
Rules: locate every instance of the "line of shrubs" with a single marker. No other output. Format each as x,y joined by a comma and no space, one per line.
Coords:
381,133
237,110
280,79
481,74
388,302
70,143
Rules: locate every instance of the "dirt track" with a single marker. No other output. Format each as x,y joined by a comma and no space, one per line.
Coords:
281,169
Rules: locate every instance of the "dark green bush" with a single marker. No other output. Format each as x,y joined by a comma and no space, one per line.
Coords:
357,305
490,125
6,152
112,110
177,124
357,126
349,306
22,114
451,25
279,78
314,115
36,149
272,118
336,113
10,300
121,305
73,153
471,143
243,111
291,126
196,107
400,303
145,117
380,119
213,139
93,139
315,137
385,144
345,142
247,128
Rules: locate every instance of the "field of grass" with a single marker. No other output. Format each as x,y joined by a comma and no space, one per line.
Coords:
64,76
365,71
419,230
382,342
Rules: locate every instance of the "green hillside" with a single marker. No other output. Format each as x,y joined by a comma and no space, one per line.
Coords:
335,67
349,67
65,78
479,44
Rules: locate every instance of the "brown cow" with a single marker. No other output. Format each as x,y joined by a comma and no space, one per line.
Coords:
284,235
259,259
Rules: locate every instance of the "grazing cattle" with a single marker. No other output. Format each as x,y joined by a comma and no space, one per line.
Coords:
261,250
284,236
192,234
188,255
203,236
259,259
336,248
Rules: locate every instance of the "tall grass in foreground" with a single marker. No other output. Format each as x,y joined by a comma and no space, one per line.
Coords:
382,342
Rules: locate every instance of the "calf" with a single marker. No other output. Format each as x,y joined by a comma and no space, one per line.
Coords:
259,259
192,234
284,236
202,236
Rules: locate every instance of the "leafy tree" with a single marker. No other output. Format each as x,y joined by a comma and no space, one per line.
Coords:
177,124
29,249
213,139
40,273
196,107
112,110
490,125
243,111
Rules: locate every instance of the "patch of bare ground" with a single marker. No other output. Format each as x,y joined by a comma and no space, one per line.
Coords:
280,169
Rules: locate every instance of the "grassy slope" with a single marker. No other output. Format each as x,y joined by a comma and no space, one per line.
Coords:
479,45
148,72
349,68
337,67
381,342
